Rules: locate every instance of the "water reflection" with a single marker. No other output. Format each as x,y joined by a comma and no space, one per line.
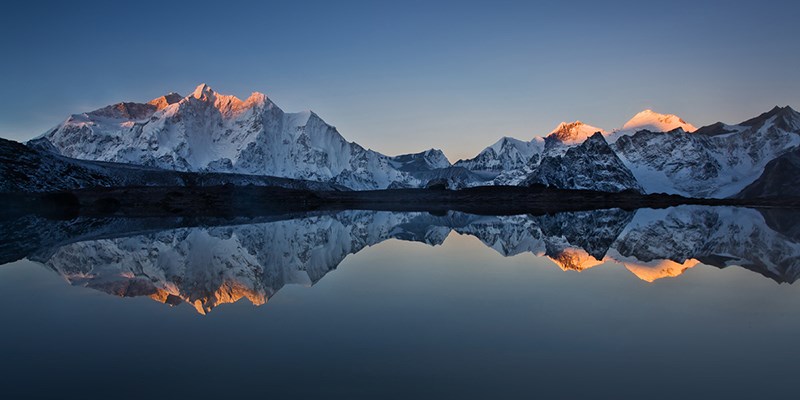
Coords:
208,263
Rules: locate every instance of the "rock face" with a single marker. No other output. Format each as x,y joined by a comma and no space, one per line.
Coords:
210,132
781,177
592,165
23,169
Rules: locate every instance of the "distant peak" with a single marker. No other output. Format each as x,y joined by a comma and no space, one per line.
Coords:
656,122
165,100
574,132
568,125
257,97
203,92
785,117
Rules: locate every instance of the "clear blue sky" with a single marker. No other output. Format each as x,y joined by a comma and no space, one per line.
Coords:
404,76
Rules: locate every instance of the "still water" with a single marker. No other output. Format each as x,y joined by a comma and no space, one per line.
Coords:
692,302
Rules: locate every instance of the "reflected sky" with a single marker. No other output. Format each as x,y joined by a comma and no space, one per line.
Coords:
462,311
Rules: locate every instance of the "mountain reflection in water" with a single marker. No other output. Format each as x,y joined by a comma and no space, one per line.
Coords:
208,263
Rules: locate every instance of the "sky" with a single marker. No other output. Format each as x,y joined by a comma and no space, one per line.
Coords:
401,77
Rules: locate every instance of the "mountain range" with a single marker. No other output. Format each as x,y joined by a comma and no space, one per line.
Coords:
210,133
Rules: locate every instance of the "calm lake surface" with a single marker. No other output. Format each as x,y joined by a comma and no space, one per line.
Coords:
693,302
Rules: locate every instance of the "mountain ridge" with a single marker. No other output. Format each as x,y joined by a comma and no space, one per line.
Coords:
210,132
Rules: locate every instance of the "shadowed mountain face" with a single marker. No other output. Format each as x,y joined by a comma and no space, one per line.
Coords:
211,262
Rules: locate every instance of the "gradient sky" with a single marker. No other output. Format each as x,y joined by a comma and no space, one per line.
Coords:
405,76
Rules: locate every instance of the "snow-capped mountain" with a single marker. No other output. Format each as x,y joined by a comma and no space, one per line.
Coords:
714,161
506,154
432,168
649,120
427,160
664,153
591,165
207,131
566,158
573,133
31,169
210,132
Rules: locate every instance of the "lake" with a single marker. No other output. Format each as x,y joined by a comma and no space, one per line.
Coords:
688,301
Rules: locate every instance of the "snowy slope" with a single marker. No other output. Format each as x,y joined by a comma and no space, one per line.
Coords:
504,155
425,161
210,132
591,165
715,161
664,153
31,169
207,131
574,132
513,162
649,120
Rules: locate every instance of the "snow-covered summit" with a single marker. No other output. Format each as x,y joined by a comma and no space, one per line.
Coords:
209,131
717,160
574,132
427,160
507,154
656,122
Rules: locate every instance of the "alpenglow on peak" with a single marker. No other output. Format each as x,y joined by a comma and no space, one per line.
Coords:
656,122
212,132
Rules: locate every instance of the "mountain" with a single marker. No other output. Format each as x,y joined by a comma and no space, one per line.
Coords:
428,160
30,169
211,132
432,168
664,153
781,177
560,159
649,120
506,154
571,133
591,165
715,161
509,161
208,132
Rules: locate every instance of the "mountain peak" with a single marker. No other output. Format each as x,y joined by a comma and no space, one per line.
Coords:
256,97
165,100
203,92
574,132
785,118
656,122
